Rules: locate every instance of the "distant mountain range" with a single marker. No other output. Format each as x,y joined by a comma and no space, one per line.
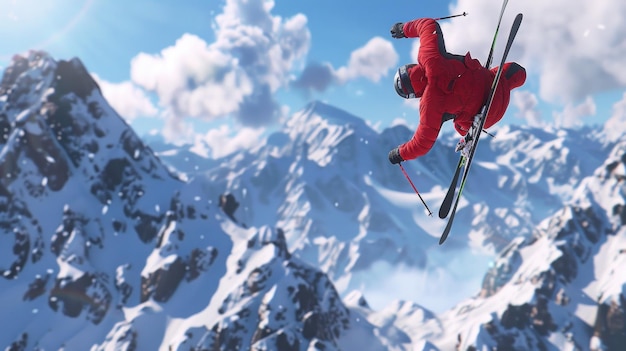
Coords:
325,180
110,243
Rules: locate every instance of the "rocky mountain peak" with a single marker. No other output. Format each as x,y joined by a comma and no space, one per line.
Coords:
99,240
81,197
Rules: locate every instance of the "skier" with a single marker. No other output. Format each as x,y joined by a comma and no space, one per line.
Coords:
451,87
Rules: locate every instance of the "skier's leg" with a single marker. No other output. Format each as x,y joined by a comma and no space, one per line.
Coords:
513,76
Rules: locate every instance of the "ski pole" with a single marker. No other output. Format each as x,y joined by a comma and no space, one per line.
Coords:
486,132
414,188
442,18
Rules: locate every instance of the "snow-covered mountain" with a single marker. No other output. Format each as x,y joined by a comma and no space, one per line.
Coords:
325,179
91,220
103,248
109,245
563,288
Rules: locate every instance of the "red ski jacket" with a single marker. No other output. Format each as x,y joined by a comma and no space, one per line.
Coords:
454,87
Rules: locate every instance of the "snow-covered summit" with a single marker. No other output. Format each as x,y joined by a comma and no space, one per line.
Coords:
103,248
324,178
563,288
91,221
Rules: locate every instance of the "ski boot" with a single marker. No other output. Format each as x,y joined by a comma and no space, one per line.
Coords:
465,144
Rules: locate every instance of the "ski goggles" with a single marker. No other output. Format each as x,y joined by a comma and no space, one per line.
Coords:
402,83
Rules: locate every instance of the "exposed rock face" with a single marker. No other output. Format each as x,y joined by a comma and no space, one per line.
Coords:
97,235
610,325
576,232
278,303
21,235
562,288
229,205
88,293
310,301
87,211
162,284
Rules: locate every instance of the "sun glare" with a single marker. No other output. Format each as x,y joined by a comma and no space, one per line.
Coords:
35,24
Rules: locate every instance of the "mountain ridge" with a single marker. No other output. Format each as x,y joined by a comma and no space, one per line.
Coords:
105,246
321,166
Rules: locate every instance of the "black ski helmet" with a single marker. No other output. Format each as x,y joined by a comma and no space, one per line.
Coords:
402,82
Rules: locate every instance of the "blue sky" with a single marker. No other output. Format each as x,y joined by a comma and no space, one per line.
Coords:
208,70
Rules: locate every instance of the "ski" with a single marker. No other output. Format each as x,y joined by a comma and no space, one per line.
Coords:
447,201
495,36
478,129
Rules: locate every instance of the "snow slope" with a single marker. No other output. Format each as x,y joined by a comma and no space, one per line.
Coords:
563,288
325,180
106,247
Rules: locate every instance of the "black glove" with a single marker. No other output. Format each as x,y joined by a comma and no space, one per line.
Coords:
397,30
394,156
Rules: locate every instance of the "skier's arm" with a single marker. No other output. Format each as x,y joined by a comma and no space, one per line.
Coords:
431,39
427,131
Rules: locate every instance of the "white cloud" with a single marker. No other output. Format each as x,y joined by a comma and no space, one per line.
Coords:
223,141
237,74
177,131
527,104
572,115
192,79
576,47
440,286
371,61
615,127
399,122
127,99
315,76
415,48
413,103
